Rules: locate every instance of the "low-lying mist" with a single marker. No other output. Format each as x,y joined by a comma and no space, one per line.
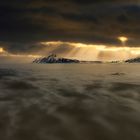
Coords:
69,102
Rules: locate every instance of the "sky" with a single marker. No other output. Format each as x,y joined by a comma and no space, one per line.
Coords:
28,27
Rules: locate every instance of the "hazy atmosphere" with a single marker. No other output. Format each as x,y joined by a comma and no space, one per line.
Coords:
70,70
94,25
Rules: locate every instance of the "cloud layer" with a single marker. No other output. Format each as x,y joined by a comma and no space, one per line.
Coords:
98,21
69,102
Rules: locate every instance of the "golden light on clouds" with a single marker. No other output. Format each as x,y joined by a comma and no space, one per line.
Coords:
1,50
5,53
77,45
123,39
81,51
94,51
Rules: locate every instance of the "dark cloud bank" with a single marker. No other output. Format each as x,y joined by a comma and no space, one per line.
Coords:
23,23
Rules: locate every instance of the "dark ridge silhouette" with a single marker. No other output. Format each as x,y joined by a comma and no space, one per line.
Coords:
134,60
54,59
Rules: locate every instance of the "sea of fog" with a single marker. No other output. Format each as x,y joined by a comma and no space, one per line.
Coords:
69,101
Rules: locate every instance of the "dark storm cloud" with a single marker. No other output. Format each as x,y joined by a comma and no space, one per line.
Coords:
25,22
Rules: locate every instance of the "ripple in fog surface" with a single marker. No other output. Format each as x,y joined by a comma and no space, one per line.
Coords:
70,102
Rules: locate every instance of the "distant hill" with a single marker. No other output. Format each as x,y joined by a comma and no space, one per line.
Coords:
54,59
133,60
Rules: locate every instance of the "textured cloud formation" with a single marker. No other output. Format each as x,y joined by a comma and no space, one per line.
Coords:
23,23
79,51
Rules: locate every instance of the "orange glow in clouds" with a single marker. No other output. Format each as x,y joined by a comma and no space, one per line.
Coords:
123,39
94,51
81,51
1,50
